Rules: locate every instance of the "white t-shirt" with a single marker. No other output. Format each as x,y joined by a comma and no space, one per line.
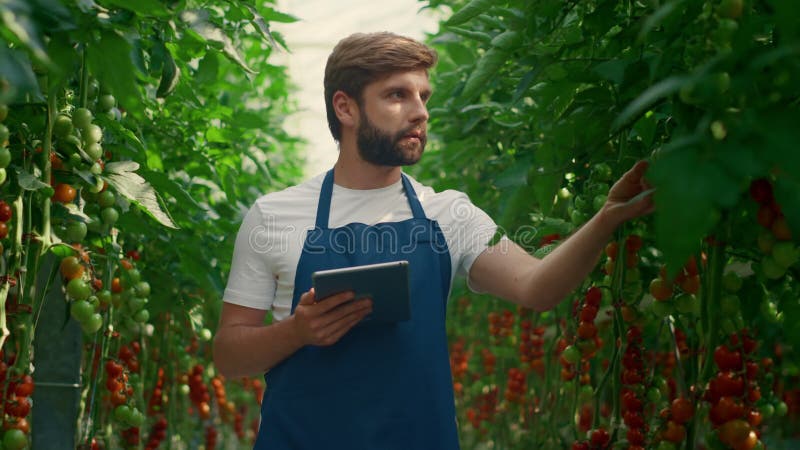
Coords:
271,237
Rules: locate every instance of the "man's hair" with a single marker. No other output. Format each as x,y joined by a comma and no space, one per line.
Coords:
361,59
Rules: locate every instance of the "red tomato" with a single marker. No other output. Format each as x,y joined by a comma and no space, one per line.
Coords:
682,410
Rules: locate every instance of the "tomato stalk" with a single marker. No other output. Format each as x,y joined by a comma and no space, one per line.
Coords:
711,301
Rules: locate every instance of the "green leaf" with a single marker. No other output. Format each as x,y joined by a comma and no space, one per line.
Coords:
163,183
123,178
141,7
199,23
507,40
28,182
170,75
270,15
16,16
657,17
110,60
689,192
485,70
468,11
648,98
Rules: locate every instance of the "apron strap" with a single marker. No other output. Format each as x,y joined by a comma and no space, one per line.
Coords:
324,204
413,201
326,192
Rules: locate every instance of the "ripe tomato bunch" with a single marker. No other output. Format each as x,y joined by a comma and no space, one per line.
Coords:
587,342
458,364
5,215
211,437
485,408
156,402
516,388
17,407
734,393
158,432
599,439
531,347
198,392
633,375
501,325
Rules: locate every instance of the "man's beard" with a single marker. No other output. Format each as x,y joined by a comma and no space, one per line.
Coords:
378,147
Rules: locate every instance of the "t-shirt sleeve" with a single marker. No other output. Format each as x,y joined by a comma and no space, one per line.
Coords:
251,281
474,230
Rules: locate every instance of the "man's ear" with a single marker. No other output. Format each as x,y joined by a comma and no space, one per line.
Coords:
346,109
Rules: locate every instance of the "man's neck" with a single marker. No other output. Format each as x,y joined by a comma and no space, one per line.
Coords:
352,172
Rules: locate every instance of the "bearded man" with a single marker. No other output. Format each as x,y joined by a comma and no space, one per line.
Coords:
332,384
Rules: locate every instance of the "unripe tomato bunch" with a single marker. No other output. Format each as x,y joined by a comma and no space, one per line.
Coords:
775,240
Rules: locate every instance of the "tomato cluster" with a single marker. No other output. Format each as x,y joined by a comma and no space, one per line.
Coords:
485,408
198,392
734,393
633,375
775,241
501,325
158,432
531,347
459,360
5,215
16,407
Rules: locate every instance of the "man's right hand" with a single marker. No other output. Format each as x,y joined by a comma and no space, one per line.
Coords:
323,323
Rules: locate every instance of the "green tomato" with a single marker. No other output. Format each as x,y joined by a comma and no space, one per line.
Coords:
785,254
687,304
3,176
771,268
653,395
136,304
122,413
94,151
98,186
4,134
62,127
184,389
116,300
136,418
205,335
142,289
78,289
92,324
104,297
767,410
109,216
92,134
586,392
75,232
96,169
81,310
3,111
106,102
729,305
765,242
106,199
731,281
141,316
666,445
580,203
82,118
599,201
728,326
602,172
14,439
571,354
781,409
5,157
661,309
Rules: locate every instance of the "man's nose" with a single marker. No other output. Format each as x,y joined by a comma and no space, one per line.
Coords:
420,112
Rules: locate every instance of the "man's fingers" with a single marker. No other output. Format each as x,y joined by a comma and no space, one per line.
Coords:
335,331
328,303
343,311
307,298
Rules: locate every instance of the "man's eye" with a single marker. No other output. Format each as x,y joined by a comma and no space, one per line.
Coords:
397,94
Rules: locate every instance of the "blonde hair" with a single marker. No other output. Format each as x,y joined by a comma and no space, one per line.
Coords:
361,59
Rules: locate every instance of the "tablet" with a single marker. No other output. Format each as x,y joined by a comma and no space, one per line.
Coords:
385,283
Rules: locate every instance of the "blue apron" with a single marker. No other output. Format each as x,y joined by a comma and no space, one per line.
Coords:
382,386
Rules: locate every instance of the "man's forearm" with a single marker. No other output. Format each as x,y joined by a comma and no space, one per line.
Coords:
560,272
245,350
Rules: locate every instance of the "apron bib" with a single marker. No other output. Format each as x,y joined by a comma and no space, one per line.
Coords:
382,386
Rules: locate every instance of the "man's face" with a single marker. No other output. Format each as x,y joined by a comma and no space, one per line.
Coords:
393,119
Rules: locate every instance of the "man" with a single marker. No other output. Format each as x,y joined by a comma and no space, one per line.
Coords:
331,384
